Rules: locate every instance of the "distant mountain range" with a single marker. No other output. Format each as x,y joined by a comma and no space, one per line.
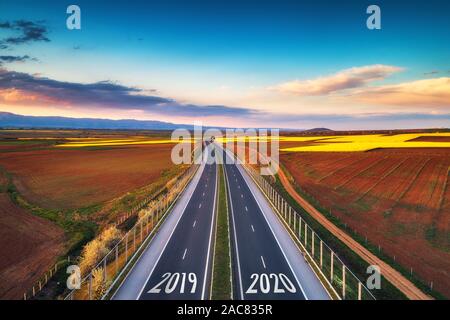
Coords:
11,120
15,121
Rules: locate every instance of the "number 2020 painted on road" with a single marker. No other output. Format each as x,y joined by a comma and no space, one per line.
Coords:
265,283
173,279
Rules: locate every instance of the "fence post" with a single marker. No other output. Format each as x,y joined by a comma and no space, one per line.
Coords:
300,229
331,267
290,226
321,254
126,247
90,286
306,236
295,220
117,258
279,201
104,269
134,238
141,231
25,296
359,290
343,281
312,243
34,292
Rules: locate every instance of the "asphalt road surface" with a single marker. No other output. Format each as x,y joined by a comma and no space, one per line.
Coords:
183,268
261,270
177,262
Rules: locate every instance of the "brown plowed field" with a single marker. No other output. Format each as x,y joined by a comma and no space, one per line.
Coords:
29,246
74,178
399,199
60,178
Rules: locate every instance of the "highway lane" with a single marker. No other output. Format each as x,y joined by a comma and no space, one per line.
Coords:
183,270
176,264
260,268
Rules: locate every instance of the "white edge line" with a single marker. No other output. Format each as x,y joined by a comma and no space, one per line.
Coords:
276,239
235,238
279,245
172,206
168,240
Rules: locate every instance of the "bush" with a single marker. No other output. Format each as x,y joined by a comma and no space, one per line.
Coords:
98,248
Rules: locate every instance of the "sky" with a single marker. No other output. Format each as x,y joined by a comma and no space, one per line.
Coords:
281,64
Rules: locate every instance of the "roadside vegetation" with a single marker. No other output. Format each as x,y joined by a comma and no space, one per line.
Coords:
221,286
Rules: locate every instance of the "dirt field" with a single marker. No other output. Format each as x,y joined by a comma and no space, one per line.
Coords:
74,178
29,246
399,199
61,183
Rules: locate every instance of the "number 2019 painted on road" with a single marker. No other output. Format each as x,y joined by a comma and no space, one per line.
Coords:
172,280
265,283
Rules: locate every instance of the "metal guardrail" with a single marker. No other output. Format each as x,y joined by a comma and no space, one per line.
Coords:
98,280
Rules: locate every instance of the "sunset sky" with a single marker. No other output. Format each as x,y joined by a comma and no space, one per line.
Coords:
282,64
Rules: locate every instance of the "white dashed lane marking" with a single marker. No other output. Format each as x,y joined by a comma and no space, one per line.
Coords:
263,263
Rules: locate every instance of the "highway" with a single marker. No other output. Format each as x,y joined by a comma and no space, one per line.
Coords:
177,262
266,263
182,270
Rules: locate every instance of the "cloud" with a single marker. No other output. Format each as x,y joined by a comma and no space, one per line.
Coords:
29,31
18,87
343,80
421,93
10,59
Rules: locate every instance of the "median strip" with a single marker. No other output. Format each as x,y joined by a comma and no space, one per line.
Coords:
221,286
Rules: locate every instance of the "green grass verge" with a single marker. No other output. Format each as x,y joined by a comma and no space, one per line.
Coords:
221,286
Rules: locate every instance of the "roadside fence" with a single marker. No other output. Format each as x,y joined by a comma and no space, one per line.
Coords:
345,283
97,281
